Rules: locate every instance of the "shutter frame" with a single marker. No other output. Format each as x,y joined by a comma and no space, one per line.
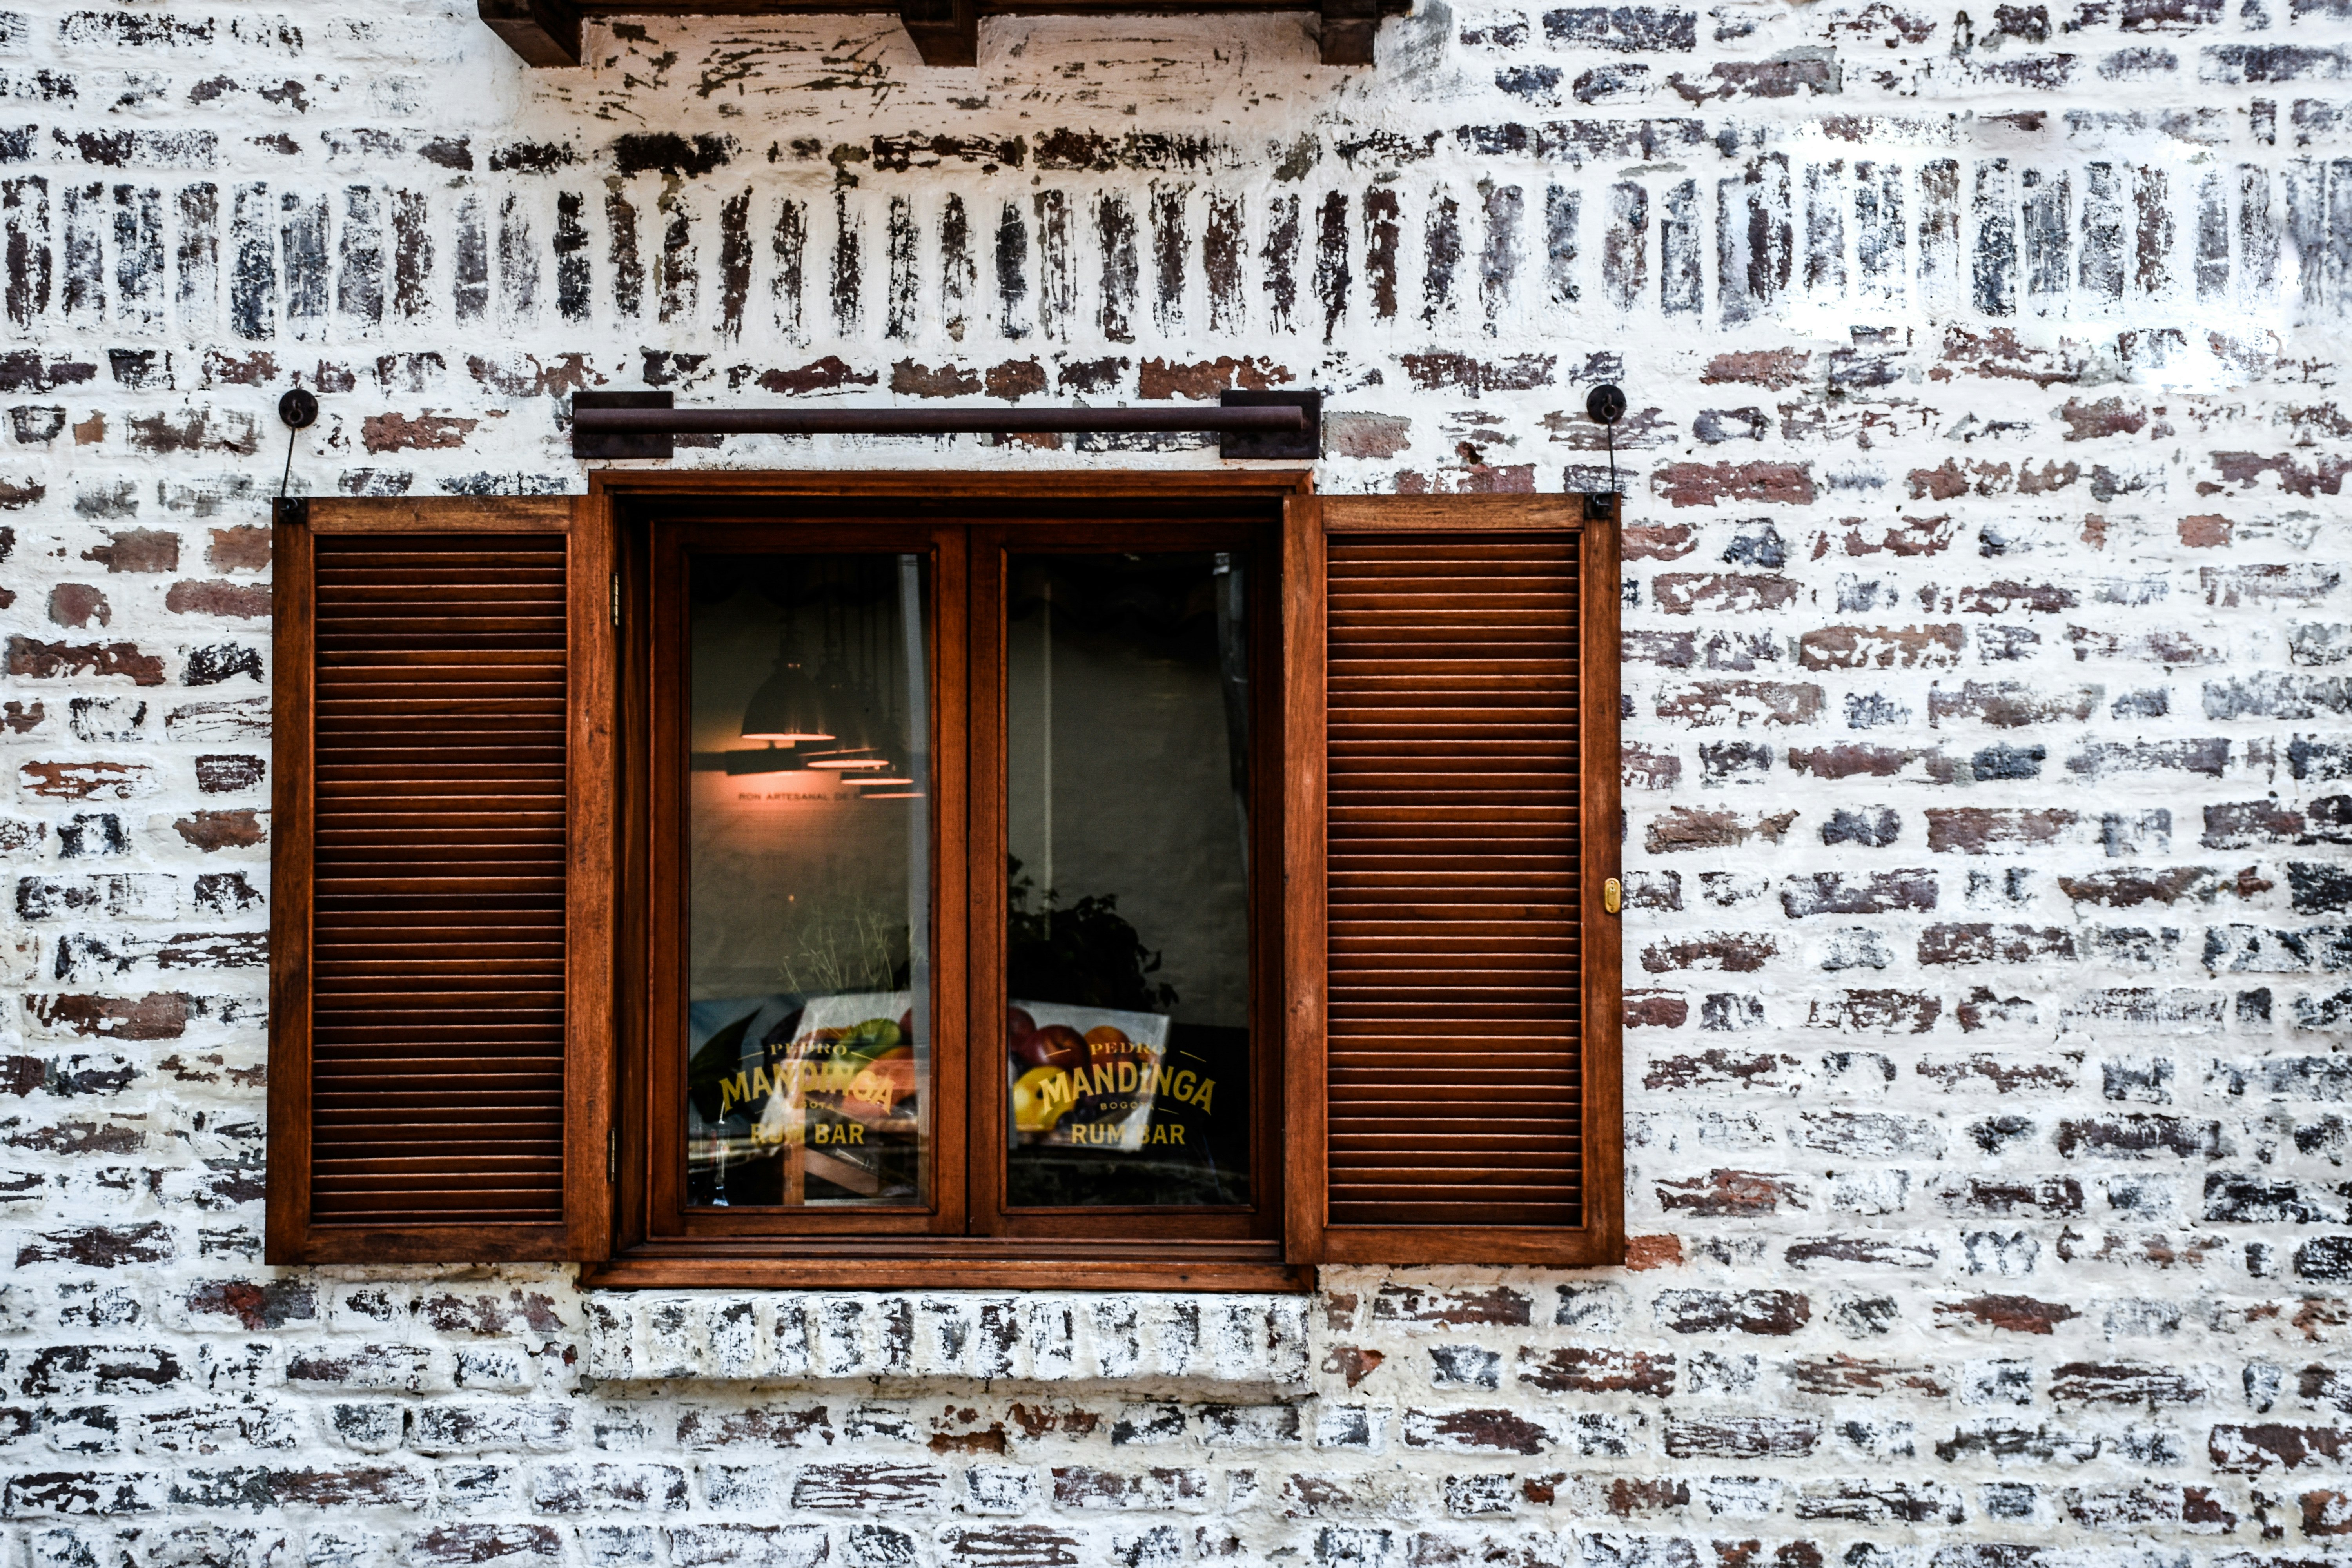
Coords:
580,1223
1599,1238
1305,955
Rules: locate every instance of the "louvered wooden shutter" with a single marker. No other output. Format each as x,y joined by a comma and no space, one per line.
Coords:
439,1021
1470,1067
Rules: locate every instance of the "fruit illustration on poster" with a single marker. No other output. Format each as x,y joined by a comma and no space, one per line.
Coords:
1108,1044
1082,1075
1041,1097
1056,1045
880,1084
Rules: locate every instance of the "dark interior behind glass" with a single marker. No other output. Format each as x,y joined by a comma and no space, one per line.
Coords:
809,881
1127,821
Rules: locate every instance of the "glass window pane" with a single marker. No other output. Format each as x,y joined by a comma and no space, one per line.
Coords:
1128,973
809,881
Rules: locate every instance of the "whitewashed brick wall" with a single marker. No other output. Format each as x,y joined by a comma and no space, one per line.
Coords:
1986,742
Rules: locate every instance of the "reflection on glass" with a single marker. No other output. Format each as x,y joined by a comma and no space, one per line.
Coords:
1128,933
808,881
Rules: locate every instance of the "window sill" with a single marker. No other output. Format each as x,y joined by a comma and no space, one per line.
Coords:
947,1263
1045,1337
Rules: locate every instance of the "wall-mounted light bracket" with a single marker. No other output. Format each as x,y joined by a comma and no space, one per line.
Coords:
298,411
1604,406
1280,425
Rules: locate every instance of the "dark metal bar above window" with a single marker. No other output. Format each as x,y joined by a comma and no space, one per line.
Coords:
1261,425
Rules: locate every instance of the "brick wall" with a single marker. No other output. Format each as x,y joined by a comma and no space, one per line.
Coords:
1986,744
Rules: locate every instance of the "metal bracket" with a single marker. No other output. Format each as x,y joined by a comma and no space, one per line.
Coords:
1306,446
607,444
1599,506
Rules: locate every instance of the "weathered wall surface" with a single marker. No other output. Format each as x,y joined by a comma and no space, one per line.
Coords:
1987,747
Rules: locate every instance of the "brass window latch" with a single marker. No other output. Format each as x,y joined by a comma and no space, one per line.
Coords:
1613,895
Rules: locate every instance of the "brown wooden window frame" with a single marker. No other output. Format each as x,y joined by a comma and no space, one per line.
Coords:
616,1218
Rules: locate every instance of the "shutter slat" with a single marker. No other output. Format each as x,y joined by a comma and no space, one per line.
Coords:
1483,1210
1454,739
437,958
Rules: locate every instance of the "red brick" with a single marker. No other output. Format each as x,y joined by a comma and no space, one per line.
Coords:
1716,484
55,660
137,550
247,601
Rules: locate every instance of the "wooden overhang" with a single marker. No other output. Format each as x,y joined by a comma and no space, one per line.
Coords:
946,32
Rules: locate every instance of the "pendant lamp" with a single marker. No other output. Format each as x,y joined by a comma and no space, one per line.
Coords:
788,710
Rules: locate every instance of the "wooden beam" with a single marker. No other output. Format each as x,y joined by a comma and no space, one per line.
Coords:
946,32
1349,28
543,32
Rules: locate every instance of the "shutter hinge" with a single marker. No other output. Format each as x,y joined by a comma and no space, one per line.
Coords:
612,1156
616,600
1613,895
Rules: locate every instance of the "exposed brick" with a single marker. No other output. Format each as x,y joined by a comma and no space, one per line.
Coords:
1409,1304
1839,1373
1720,593
218,597
2140,1137
1881,648
137,550
462,1545
157,1016
1469,1431
1571,1369
1982,942
1768,1312
1722,1192
1013,1546
1976,831
1716,484
105,1369
1688,828
1764,1070
363,1366
1741,1438
2099,1382
55,660
1830,892
2008,704
2252,1449
868,1486
254,1306
1081,1488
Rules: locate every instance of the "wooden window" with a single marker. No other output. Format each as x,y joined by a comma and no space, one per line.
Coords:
1168,880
